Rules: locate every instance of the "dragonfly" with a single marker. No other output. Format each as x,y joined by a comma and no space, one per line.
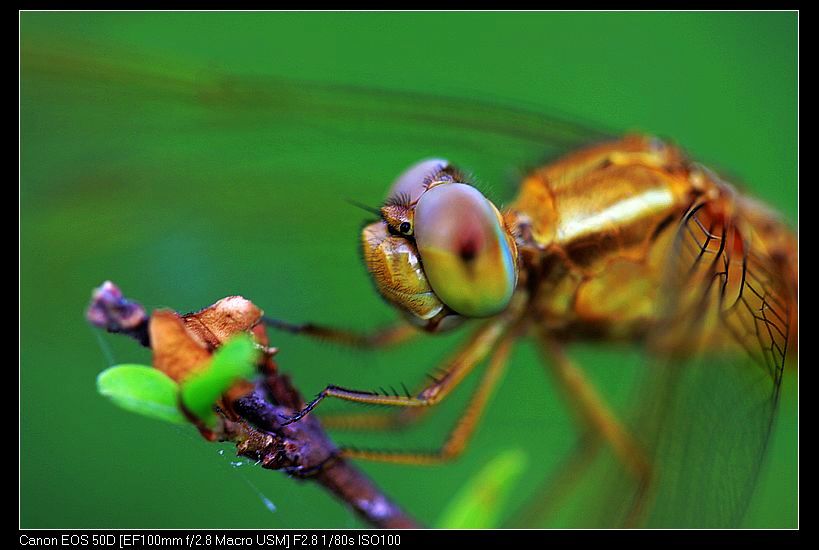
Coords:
611,237
622,239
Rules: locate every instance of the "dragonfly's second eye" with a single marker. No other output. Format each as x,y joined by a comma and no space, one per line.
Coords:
465,250
412,183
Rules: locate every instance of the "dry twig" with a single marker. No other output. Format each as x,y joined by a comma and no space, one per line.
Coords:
250,416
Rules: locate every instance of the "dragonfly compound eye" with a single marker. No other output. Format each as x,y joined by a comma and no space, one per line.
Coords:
467,255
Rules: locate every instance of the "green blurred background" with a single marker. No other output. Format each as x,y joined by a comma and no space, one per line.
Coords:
141,164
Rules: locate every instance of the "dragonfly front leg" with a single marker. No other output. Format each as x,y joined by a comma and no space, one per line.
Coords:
381,338
456,369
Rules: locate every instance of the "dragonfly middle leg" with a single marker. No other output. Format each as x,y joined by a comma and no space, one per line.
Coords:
457,368
374,421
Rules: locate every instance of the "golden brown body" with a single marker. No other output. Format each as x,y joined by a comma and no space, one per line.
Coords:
598,232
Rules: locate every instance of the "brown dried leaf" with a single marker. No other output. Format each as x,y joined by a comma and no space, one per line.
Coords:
176,353
183,344
217,323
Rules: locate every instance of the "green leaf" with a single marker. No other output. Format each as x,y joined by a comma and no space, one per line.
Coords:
235,359
143,390
479,504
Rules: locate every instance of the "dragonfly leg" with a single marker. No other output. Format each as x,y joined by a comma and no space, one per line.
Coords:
377,421
600,421
472,353
463,431
382,338
374,421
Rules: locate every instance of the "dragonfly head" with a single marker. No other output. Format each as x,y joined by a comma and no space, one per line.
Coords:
441,250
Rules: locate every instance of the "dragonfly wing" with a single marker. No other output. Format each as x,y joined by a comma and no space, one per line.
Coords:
709,395
288,110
